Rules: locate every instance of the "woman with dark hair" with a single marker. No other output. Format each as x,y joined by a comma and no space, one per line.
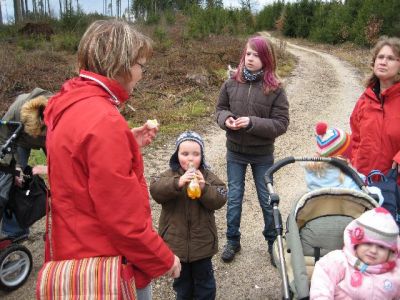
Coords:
253,110
376,116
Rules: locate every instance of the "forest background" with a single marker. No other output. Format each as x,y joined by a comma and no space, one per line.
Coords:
194,42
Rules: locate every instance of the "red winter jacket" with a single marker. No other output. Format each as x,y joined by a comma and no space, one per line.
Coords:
375,127
100,202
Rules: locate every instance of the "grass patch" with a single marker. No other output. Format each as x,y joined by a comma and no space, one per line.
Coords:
37,157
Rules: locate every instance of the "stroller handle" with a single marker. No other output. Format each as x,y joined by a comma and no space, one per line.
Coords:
339,163
6,148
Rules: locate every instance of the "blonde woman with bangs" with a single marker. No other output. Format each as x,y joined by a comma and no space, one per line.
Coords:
100,203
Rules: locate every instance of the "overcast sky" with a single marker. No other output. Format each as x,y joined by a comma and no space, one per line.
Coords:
97,5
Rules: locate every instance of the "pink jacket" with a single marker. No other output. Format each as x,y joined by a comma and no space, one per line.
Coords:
332,280
341,275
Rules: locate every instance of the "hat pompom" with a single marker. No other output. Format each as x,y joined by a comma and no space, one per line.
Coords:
320,128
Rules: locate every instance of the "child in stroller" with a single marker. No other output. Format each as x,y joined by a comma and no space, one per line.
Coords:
368,266
333,142
315,224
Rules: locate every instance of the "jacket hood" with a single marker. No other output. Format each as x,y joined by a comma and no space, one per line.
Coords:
87,85
382,230
32,116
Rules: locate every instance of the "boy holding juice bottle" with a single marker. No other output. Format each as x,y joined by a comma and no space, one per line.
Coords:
189,193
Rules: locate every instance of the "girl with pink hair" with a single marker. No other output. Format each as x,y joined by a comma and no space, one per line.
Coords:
253,110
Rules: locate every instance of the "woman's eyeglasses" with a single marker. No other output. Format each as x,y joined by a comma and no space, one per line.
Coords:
143,67
390,58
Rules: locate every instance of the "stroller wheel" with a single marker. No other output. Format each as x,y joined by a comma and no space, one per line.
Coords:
15,266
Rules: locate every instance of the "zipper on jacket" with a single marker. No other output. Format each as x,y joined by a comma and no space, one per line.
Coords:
189,228
248,114
248,94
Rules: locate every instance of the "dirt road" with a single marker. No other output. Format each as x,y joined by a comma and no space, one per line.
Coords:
321,88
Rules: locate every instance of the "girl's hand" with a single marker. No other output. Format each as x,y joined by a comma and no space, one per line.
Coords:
231,123
242,122
201,180
145,134
185,178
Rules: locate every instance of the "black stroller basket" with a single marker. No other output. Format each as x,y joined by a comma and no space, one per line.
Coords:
274,201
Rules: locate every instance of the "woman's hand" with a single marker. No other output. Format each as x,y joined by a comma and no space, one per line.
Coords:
175,270
145,134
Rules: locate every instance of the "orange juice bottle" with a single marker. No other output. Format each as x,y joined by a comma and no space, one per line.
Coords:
193,189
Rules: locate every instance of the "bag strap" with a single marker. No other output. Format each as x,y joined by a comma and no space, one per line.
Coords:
48,225
374,173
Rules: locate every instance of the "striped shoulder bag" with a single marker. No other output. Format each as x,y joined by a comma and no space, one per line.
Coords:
103,278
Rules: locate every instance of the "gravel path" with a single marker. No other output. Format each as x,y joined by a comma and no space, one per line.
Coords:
321,87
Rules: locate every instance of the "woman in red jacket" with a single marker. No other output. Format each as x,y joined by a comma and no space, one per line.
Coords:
375,120
100,202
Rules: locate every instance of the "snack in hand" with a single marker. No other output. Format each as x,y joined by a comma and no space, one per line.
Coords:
152,123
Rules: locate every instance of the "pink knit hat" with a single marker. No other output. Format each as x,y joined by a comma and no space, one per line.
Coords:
375,226
332,141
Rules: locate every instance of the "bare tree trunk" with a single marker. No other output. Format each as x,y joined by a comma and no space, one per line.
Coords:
26,6
34,7
61,9
129,12
22,4
1,15
41,6
17,11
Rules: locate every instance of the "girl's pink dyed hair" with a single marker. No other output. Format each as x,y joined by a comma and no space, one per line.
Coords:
266,53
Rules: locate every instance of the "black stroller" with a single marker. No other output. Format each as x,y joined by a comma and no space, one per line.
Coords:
15,259
314,226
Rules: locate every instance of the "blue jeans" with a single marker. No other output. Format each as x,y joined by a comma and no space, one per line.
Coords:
196,281
144,293
236,183
10,226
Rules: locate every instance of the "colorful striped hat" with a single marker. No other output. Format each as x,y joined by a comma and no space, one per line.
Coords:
332,141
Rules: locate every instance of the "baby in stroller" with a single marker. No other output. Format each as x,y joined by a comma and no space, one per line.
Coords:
368,266
336,195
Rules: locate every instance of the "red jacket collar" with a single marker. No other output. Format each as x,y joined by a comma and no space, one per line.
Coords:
390,92
87,85
111,86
